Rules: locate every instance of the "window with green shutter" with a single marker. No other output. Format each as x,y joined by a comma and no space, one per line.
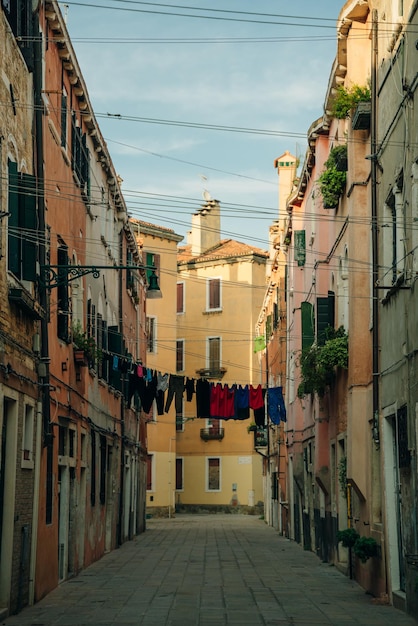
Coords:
300,247
308,325
325,315
22,225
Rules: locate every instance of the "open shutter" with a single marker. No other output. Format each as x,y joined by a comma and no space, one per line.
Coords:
28,221
13,241
307,315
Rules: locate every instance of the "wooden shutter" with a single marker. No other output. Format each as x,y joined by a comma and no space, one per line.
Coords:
307,315
13,241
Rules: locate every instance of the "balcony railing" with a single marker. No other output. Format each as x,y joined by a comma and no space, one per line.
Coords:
208,434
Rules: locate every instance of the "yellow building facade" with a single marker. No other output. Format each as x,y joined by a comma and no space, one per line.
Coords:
220,289
159,250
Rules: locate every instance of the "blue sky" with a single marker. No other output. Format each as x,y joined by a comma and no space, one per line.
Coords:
142,64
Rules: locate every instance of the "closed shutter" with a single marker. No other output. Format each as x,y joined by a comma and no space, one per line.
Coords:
13,241
307,315
300,247
28,221
322,319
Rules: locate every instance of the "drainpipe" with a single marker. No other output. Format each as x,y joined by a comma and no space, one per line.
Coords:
375,240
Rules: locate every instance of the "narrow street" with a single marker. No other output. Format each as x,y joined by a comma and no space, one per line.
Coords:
209,569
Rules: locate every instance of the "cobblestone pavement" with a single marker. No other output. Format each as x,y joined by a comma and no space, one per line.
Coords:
207,570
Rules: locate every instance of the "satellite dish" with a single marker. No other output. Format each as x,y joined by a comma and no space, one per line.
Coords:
206,195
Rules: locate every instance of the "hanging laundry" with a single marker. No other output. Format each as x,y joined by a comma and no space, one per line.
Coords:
203,398
175,390
221,401
149,393
260,414
242,402
162,386
256,397
190,390
259,343
275,405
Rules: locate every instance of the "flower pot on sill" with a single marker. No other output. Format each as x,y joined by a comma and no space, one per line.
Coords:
79,357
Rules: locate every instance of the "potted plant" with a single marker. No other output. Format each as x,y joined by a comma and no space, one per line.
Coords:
252,427
85,347
333,179
318,364
348,537
347,99
364,548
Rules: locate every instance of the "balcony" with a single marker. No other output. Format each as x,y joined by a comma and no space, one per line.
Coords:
214,374
211,434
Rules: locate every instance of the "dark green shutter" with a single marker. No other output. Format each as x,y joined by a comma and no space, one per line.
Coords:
13,241
331,308
300,247
307,315
28,221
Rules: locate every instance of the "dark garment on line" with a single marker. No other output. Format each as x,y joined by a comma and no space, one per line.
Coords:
202,398
149,394
242,403
275,405
189,389
175,390
260,414
159,400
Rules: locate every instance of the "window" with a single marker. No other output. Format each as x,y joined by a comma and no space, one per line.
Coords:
325,315
300,248
80,158
213,474
179,355
152,261
64,119
150,459
179,474
151,328
103,468
180,297
214,354
27,437
22,224
180,419
19,15
393,236
93,469
308,323
213,294
62,295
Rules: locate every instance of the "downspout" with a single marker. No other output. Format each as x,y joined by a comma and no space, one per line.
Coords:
375,240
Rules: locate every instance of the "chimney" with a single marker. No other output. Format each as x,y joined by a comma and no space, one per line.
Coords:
206,227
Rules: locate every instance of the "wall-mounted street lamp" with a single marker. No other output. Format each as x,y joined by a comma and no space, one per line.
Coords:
56,275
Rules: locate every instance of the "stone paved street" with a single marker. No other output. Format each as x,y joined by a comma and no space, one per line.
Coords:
207,570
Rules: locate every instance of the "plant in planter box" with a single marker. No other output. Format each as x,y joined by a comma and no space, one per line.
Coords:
83,342
252,427
318,364
347,99
348,537
364,548
333,179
